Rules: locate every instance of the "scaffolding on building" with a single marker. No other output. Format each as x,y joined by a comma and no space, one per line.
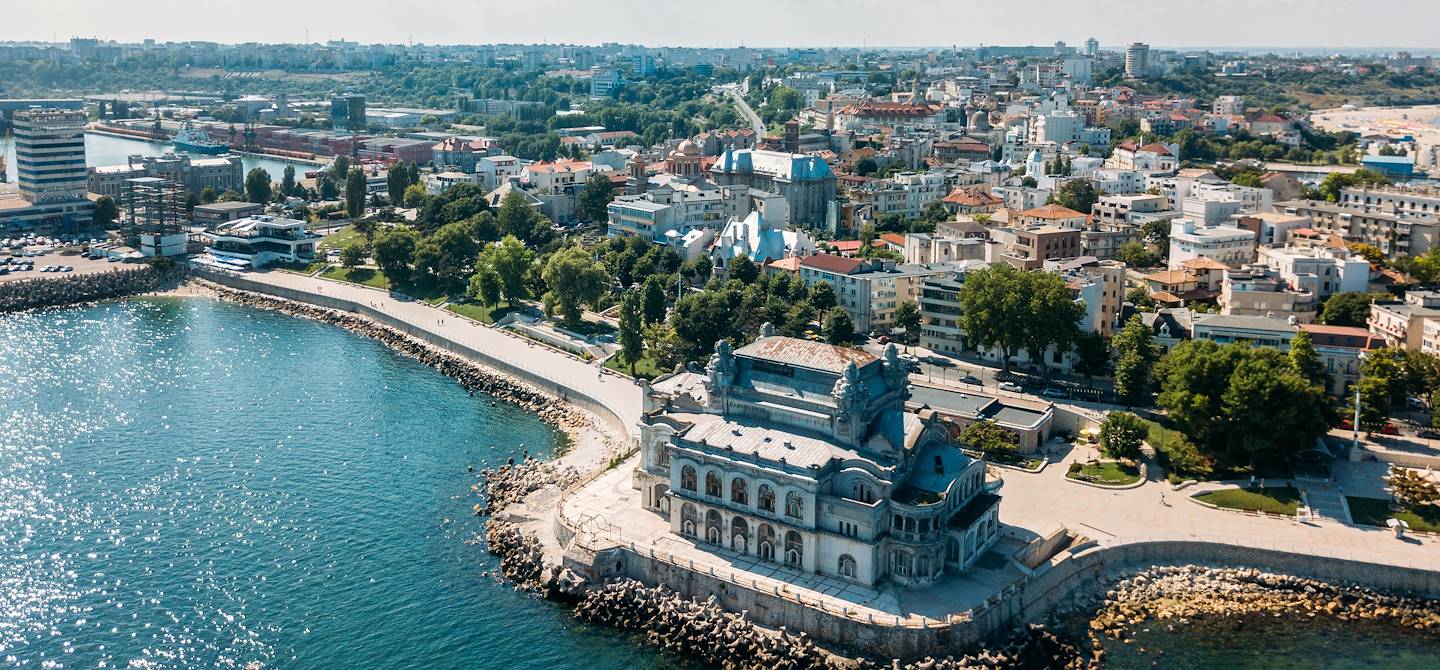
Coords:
154,214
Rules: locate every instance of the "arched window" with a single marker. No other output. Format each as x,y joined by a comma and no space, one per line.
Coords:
863,492
739,491
765,498
687,478
794,505
739,534
847,566
714,527
660,500
712,485
900,563
689,519
765,542
664,456
794,549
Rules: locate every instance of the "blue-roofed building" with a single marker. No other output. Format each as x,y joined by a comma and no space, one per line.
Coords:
802,454
806,182
1395,167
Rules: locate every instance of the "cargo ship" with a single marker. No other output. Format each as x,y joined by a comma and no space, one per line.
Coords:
196,141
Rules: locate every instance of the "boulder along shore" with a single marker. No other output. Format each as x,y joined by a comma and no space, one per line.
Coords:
1172,595
472,376
74,289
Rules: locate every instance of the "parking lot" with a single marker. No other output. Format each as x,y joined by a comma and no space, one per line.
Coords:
50,257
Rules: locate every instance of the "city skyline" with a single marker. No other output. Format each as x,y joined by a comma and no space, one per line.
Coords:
1314,24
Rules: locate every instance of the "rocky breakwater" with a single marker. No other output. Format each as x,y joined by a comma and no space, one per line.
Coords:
1181,594
705,631
473,376
72,289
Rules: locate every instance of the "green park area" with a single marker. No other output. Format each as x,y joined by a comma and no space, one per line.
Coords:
1109,473
1376,512
1282,500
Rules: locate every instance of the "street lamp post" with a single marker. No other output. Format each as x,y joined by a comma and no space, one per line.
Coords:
1355,424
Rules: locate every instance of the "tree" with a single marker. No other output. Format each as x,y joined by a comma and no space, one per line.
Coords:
1305,360
1029,182
191,202
355,188
631,330
1374,393
1348,309
510,261
1077,194
653,302
288,185
992,307
1122,434
397,179
447,256
1410,489
866,167
1051,318
518,218
1135,357
1369,252
207,195
257,185
990,439
394,252
339,167
907,316
352,255
594,198
1093,354
484,287
1271,412
575,278
415,195
326,187
1249,179
839,328
1136,255
697,269
106,212
744,269
822,298
1336,181
366,227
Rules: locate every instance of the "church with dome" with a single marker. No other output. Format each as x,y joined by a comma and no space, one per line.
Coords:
801,454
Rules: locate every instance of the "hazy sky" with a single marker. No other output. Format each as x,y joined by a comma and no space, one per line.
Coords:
1293,23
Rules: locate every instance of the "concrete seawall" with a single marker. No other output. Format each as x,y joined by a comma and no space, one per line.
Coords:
1079,578
598,406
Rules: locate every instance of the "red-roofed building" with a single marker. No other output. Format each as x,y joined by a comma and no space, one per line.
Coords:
873,113
971,201
1153,157
1051,214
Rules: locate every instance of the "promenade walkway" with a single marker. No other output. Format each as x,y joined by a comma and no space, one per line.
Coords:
615,392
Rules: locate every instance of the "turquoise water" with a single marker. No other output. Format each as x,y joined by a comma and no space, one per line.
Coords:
1261,642
192,484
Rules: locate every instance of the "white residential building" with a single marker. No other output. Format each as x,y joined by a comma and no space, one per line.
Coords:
1225,244
1322,271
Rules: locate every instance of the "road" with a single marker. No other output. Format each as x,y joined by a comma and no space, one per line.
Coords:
733,90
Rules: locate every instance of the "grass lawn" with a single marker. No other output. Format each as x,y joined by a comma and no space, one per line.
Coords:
588,328
645,368
479,312
1282,500
1005,458
300,268
1375,512
341,238
366,276
1110,473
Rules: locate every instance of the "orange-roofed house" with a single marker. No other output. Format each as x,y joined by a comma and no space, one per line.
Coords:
1053,215
971,201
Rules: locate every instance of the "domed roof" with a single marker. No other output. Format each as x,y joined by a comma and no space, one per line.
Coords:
688,148
980,119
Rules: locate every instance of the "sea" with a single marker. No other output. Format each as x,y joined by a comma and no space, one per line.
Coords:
187,483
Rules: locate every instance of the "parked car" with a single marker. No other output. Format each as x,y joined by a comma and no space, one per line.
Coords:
968,378
938,361
1011,387
1055,392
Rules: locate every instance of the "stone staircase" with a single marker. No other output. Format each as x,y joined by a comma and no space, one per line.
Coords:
1326,502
